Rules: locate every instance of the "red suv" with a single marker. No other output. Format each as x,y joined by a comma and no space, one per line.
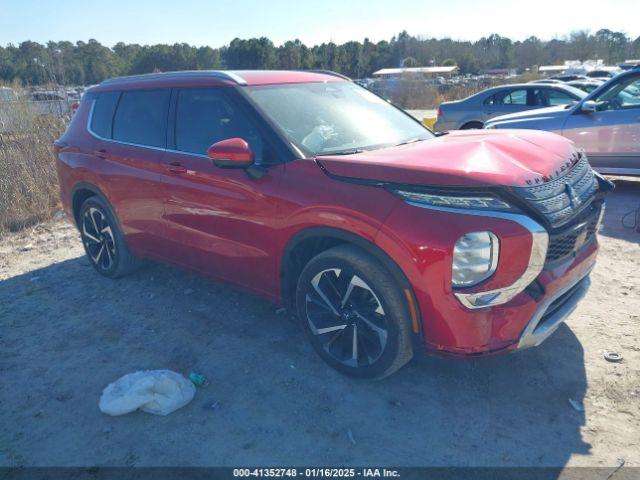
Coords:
315,193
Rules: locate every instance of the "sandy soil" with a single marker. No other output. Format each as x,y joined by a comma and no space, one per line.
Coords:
66,332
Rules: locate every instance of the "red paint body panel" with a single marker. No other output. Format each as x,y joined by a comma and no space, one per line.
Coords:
222,223
180,208
464,157
421,242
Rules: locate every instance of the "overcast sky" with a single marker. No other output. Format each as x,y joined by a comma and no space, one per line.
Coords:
216,23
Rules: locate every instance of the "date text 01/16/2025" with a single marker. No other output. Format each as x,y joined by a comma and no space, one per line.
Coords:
316,472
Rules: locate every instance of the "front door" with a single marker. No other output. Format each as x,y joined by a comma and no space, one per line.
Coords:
611,135
219,221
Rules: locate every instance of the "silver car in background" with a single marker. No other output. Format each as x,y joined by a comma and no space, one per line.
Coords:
474,111
605,124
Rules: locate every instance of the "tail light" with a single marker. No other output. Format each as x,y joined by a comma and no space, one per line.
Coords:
438,113
74,108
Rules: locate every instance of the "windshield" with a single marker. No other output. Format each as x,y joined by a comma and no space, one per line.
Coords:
335,117
621,94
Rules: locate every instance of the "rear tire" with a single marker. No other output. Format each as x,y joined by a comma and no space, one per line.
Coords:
354,313
471,126
103,241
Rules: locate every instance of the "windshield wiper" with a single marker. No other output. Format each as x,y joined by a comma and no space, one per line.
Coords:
352,151
411,140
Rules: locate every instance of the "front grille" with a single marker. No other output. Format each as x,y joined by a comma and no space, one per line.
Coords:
577,235
559,199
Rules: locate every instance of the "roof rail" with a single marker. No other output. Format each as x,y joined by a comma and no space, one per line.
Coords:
152,76
330,72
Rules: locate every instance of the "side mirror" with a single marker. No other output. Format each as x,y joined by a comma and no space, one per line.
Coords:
590,106
231,153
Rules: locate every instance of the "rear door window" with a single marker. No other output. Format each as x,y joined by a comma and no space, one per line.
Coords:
516,97
141,117
103,110
510,97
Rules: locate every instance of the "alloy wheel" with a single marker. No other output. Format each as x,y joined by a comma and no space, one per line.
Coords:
347,317
98,238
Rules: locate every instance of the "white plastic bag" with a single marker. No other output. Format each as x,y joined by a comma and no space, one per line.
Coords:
318,137
153,391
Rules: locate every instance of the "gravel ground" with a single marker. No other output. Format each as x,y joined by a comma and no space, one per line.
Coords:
66,332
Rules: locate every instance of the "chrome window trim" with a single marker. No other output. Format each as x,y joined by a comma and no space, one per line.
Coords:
191,154
498,296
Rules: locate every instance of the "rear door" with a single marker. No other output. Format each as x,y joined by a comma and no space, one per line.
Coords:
610,136
130,128
220,221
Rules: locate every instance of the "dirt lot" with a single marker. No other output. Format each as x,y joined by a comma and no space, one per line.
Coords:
66,332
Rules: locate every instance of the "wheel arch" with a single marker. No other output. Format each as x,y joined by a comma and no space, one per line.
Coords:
310,241
81,192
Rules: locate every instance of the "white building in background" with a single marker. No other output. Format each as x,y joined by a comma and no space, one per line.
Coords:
425,72
576,67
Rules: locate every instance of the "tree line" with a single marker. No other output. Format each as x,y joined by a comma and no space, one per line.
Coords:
86,63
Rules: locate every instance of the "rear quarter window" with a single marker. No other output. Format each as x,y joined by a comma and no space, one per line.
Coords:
141,117
103,110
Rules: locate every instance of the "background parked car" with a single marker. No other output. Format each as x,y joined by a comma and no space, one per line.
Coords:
51,102
606,124
567,77
474,111
601,74
587,86
547,80
14,114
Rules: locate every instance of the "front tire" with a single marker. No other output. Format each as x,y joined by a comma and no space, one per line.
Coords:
354,313
103,241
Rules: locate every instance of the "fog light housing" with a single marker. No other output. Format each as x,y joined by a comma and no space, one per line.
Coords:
475,258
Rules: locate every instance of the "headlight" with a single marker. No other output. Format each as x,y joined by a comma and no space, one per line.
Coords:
479,202
475,258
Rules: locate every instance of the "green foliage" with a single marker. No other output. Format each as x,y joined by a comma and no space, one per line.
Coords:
88,63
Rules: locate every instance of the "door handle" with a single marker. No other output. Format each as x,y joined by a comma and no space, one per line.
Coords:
176,167
102,153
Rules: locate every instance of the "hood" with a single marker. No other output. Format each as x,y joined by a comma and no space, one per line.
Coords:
527,115
461,158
